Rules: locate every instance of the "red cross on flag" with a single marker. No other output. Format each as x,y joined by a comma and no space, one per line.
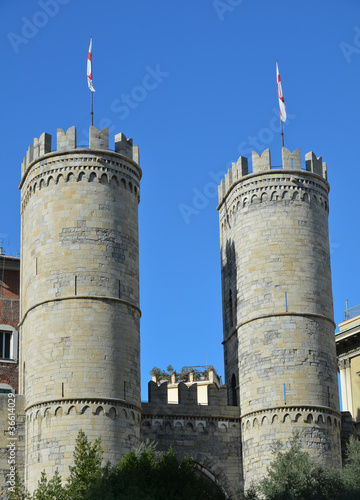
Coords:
280,94
89,68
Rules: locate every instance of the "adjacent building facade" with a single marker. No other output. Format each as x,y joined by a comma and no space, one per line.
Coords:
348,352
9,320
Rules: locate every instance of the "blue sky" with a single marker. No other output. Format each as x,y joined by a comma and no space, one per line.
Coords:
211,96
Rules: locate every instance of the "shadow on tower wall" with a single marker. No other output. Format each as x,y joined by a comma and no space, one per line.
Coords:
230,304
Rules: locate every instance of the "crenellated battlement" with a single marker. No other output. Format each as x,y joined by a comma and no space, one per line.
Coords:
67,141
125,147
188,401
262,164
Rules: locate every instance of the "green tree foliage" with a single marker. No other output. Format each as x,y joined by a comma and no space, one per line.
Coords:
87,469
143,476
85,472
50,490
293,475
146,474
351,470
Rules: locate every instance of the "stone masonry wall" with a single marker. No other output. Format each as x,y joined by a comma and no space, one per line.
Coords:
80,315
210,434
318,429
277,302
52,429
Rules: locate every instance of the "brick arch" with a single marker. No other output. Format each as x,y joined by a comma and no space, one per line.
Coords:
58,412
92,177
47,413
99,410
123,413
112,413
211,473
309,419
264,420
305,197
72,410
114,181
275,419
104,179
320,420
70,177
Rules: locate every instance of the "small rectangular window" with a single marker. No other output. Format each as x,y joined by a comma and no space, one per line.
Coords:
5,341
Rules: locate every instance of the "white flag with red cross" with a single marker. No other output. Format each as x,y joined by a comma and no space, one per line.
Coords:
89,68
280,95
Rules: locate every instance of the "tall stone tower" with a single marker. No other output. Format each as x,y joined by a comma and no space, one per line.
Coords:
80,311
279,344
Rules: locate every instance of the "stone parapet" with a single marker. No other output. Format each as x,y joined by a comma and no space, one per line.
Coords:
188,400
210,434
66,141
291,164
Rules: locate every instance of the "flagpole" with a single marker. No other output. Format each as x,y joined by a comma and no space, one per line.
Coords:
89,79
92,111
282,132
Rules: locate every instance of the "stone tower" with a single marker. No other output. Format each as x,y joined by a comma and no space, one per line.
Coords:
80,313
279,344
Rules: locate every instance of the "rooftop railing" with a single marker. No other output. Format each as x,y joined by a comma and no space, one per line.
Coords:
352,312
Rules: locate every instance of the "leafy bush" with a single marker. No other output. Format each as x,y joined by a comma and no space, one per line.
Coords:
294,475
